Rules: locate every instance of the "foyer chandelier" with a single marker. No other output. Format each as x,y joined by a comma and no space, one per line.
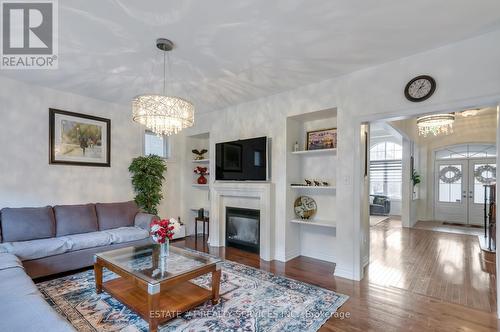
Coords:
162,114
436,124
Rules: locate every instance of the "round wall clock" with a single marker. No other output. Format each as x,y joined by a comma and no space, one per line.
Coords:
420,88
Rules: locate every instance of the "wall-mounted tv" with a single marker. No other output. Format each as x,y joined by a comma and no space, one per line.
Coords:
242,160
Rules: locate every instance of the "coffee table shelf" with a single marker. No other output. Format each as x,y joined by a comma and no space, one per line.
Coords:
172,301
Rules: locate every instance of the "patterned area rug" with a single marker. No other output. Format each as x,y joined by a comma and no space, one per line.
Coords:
251,300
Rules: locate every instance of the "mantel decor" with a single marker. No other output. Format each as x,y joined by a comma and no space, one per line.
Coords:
79,139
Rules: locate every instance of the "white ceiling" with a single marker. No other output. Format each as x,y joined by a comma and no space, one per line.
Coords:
230,52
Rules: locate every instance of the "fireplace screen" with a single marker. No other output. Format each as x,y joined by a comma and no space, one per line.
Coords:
243,229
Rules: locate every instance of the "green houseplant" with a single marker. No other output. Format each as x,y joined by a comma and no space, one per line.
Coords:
147,180
415,177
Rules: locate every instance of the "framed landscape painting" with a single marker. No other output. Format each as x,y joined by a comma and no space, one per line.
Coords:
322,139
79,139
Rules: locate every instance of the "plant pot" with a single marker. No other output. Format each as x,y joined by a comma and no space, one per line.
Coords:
202,179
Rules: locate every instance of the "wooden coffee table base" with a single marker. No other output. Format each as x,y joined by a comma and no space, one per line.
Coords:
160,307
169,303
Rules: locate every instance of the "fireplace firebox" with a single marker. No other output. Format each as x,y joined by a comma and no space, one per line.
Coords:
243,229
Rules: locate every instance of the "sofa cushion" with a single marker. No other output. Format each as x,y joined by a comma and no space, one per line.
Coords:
16,283
27,250
143,220
31,313
8,261
114,215
127,234
87,240
75,219
23,224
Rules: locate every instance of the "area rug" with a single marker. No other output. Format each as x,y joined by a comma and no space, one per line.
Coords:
251,300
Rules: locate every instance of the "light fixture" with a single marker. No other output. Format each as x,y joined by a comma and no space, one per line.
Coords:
468,113
436,124
162,114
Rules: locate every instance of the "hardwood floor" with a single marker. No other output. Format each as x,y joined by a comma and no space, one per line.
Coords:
418,280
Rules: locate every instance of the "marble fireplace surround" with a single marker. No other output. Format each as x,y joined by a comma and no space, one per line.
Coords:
249,195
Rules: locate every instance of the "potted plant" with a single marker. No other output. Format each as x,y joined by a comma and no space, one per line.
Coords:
147,180
415,178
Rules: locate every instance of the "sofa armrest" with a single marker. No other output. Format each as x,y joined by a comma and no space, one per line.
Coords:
143,220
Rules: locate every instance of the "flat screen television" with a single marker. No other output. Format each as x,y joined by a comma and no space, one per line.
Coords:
243,160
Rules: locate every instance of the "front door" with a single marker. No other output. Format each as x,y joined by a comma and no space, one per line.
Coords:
481,172
460,189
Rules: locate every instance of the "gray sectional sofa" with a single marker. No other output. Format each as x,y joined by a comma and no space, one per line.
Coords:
36,242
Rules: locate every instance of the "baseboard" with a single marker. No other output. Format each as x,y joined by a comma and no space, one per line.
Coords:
291,254
327,257
344,273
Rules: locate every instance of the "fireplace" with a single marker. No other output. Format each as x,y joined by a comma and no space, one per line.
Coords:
243,229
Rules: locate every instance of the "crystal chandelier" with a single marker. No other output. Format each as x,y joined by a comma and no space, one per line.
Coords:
162,114
437,124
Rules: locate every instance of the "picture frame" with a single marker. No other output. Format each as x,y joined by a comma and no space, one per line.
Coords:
321,139
79,139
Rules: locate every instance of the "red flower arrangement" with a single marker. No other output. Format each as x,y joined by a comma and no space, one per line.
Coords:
162,229
201,171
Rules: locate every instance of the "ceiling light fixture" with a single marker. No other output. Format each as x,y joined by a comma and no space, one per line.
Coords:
162,114
436,124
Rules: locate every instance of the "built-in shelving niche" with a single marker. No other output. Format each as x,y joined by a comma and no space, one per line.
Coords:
195,195
316,237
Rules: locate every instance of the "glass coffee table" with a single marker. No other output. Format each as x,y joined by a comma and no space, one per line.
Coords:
158,289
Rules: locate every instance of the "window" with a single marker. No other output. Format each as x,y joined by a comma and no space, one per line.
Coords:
157,145
386,169
468,151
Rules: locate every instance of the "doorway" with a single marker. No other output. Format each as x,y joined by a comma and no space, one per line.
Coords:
460,175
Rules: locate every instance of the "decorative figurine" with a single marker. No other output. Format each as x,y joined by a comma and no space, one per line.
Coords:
199,154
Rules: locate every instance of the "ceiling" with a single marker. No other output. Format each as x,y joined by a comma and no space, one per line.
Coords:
229,52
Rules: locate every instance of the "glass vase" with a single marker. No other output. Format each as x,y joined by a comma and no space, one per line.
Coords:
164,249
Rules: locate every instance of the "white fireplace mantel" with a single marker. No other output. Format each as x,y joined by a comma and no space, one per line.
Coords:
260,191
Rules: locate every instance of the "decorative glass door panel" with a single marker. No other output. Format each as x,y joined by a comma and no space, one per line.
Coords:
451,200
481,172
460,189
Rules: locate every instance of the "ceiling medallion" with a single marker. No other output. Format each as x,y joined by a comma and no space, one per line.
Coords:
162,114
437,124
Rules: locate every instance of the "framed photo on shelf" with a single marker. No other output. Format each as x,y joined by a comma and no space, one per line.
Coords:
79,139
321,139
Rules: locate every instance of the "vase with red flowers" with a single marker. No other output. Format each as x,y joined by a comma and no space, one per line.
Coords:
161,232
201,171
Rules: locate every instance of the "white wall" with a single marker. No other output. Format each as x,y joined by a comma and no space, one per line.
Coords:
27,179
467,73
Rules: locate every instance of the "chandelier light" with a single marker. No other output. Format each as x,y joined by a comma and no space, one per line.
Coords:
436,124
162,114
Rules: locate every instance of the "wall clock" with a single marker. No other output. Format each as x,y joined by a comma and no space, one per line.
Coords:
420,88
